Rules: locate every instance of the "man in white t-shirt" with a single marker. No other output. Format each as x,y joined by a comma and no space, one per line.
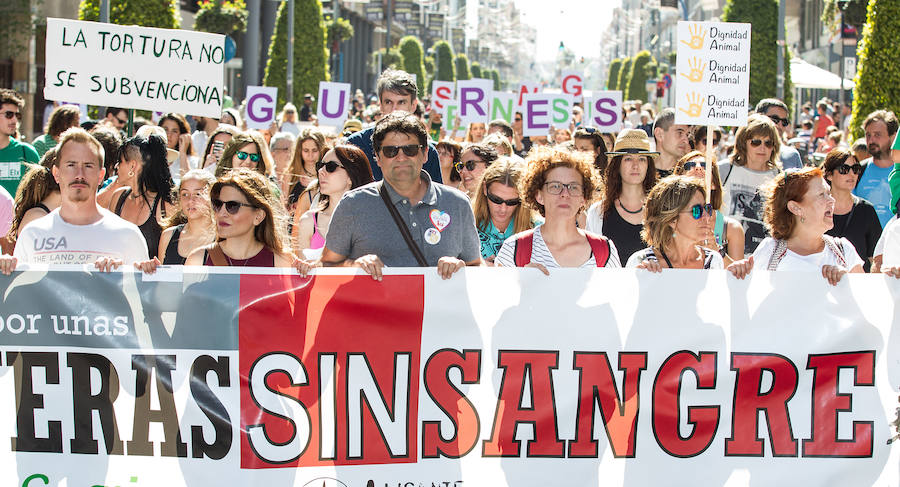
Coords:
80,231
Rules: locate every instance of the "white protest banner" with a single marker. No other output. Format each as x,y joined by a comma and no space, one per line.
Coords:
441,93
334,103
713,65
261,106
503,106
603,111
474,97
168,70
524,88
572,83
544,110
599,377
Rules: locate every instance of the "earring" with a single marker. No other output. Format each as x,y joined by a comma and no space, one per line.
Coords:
802,218
131,174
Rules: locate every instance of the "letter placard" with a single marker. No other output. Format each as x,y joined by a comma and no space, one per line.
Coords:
537,114
503,106
441,94
474,96
334,103
524,88
261,108
603,111
572,83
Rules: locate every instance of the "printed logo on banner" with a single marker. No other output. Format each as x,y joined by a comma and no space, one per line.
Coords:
353,342
261,101
334,103
603,111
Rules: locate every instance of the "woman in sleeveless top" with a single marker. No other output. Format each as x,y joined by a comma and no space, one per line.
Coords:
343,168
192,225
146,197
498,208
799,210
726,235
38,195
676,218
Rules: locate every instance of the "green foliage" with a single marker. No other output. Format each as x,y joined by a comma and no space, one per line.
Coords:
878,66
641,68
663,69
625,77
338,30
495,75
18,28
673,56
462,67
446,68
855,14
146,13
392,58
310,55
612,76
476,70
227,17
413,56
429,66
763,15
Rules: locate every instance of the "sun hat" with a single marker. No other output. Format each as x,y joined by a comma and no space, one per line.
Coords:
632,141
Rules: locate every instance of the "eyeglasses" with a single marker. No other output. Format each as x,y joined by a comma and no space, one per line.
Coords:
692,164
243,155
783,121
500,201
555,188
757,142
329,166
846,168
8,114
698,210
392,150
467,165
231,207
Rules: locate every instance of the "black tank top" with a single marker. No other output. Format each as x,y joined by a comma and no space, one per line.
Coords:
150,228
626,236
172,255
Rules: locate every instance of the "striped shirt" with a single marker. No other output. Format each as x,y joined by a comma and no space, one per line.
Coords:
540,254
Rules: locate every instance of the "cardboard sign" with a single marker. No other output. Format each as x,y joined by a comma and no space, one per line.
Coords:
334,103
713,65
474,97
526,87
441,93
603,111
170,70
544,110
450,116
503,106
261,106
572,83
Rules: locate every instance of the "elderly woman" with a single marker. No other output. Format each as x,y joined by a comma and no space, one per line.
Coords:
498,208
799,210
854,218
675,219
558,184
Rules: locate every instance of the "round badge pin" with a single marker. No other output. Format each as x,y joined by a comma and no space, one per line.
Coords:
432,236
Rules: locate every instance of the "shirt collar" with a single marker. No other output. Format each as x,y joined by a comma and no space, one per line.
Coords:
430,197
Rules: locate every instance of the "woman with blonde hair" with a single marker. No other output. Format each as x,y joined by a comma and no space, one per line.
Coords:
248,150
37,195
498,208
192,225
475,132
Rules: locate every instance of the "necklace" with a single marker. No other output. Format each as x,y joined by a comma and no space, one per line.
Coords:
627,210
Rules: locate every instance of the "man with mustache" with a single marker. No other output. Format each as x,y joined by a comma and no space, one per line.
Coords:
79,231
880,127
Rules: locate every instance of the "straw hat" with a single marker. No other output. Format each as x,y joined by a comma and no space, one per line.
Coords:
352,125
632,141
148,130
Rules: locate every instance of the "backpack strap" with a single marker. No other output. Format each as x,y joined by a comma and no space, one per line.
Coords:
522,250
600,248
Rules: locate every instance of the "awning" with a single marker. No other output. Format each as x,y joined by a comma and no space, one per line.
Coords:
805,75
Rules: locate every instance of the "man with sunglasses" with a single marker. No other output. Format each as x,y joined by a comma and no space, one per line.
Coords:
116,117
13,153
777,111
406,220
397,90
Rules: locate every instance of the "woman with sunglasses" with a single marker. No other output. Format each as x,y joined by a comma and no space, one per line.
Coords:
676,218
854,218
726,234
448,154
249,150
752,165
343,168
474,159
498,207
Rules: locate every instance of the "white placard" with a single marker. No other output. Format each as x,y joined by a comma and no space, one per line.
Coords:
503,106
474,97
334,103
572,83
603,111
524,88
442,92
168,70
261,106
541,111
713,65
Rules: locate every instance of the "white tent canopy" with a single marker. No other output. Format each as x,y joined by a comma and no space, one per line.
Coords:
805,75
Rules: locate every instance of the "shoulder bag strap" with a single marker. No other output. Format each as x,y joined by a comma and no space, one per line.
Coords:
217,256
777,254
600,248
522,251
833,246
417,252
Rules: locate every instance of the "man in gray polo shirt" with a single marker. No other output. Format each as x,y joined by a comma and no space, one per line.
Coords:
363,233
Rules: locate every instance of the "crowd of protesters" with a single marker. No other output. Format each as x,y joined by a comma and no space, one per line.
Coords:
394,188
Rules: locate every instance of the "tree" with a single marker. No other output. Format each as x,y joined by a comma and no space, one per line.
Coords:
612,77
164,14
462,67
310,54
18,27
476,70
854,14
227,17
413,56
878,67
446,68
624,77
641,69
763,15
392,58
429,66
495,75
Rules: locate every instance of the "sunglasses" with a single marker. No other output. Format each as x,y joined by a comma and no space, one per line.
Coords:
846,168
692,164
468,165
8,114
500,201
392,150
698,210
589,130
715,140
555,188
231,207
783,121
329,166
243,155
757,142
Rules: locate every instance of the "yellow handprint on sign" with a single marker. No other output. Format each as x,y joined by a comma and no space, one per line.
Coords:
698,37
697,67
695,105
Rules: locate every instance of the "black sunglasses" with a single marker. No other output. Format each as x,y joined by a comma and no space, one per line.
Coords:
329,166
692,164
231,207
715,140
500,201
469,165
783,121
392,150
846,168
8,114
757,142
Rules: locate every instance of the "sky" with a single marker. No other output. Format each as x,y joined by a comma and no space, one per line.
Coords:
578,23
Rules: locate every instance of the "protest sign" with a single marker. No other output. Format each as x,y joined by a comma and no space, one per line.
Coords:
713,64
450,120
544,110
168,70
526,87
503,106
572,83
336,379
261,106
474,97
441,93
603,111
334,103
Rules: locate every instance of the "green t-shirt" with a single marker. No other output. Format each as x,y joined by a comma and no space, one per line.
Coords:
43,143
12,163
